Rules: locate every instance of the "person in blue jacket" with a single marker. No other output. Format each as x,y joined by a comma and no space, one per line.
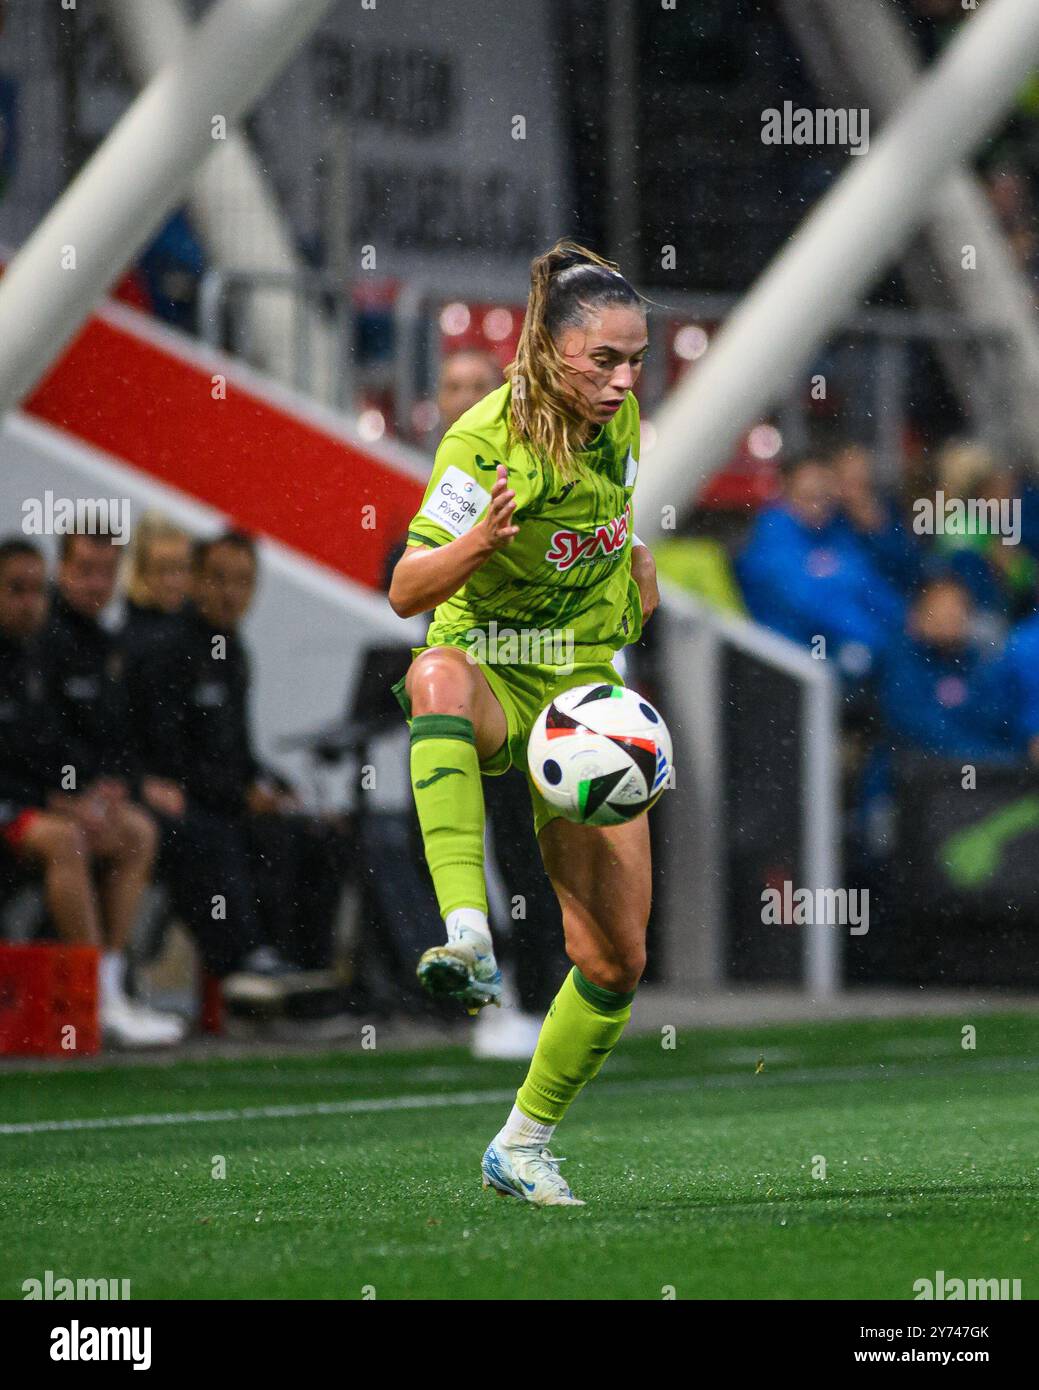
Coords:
807,576
871,517
940,693
1021,668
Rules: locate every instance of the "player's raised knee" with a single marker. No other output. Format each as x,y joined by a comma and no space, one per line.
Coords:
440,681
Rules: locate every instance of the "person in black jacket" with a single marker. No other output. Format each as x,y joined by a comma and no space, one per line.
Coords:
158,576
94,847
30,756
279,875
85,667
203,863
200,742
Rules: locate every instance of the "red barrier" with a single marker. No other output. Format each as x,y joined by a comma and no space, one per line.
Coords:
268,466
48,1001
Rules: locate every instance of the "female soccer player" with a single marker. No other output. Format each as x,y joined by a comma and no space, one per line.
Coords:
523,544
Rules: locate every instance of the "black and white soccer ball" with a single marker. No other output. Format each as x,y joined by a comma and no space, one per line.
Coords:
600,754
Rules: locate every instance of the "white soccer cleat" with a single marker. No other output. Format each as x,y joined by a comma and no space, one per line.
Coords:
527,1171
464,970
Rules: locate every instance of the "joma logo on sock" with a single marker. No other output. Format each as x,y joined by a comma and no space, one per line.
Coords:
438,773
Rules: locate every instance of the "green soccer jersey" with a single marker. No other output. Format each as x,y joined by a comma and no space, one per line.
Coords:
569,569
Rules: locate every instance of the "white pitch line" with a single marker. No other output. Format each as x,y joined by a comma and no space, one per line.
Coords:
877,1071
260,1112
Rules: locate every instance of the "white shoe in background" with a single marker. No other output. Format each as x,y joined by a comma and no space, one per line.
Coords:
160,1016
125,1024
506,1034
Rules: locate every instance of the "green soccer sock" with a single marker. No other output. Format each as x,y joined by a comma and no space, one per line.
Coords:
445,780
581,1029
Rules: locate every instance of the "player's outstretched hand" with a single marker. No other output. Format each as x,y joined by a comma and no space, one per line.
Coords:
497,524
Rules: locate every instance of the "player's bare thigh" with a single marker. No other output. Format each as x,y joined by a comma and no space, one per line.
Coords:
442,681
602,878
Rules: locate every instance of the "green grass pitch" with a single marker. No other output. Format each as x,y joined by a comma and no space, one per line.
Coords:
357,1175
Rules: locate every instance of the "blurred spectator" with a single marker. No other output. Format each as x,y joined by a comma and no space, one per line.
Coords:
963,464
808,577
203,745
1000,577
172,266
69,813
872,518
195,853
158,574
156,579
939,692
466,377
85,663
941,695
1021,667
30,753
277,869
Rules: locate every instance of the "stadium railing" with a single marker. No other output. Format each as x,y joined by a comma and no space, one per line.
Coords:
755,723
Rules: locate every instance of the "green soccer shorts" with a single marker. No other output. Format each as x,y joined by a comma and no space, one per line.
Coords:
523,691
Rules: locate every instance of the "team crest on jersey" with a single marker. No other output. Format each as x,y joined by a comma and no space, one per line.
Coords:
570,548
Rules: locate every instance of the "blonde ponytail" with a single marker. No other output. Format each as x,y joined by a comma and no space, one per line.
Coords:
547,413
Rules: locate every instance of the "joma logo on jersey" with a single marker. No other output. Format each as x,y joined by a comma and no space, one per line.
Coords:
569,548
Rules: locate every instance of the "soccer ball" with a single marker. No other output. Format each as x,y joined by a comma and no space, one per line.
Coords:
600,754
